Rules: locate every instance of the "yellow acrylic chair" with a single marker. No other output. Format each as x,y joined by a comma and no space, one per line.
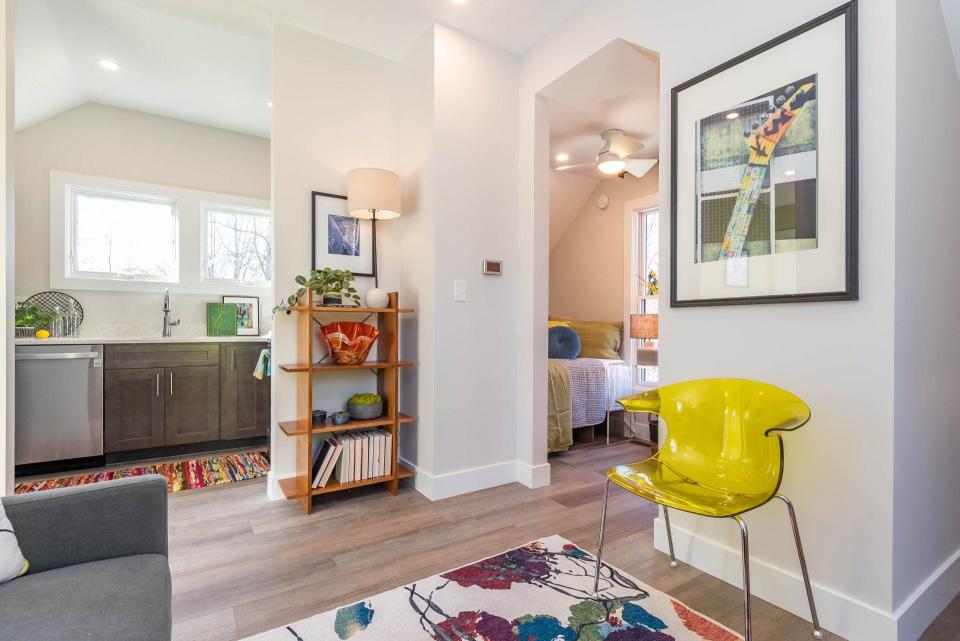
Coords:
722,456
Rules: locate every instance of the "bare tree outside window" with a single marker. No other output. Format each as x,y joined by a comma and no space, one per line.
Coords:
239,245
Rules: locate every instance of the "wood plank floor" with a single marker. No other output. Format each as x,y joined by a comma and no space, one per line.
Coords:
242,564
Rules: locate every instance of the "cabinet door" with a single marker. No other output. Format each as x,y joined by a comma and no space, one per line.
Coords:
133,407
192,405
244,400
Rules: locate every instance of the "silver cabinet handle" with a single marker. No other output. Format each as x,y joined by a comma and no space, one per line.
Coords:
171,383
158,383
56,356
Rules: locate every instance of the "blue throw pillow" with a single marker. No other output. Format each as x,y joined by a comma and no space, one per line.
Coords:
564,343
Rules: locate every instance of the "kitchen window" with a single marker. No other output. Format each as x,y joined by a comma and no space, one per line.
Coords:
239,245
122,236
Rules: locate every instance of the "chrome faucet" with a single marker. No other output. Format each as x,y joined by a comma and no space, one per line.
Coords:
167,323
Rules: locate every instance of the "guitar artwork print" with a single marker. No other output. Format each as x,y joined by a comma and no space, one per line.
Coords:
757,176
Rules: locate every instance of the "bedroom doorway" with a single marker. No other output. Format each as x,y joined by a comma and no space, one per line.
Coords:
603,242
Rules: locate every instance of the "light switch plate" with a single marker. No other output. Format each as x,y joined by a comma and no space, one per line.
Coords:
460,291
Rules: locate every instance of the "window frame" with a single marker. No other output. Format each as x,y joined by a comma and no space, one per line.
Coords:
205,208
190,238
71,224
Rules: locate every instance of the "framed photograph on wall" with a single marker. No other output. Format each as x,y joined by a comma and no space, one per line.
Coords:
341,241
248,314
764,172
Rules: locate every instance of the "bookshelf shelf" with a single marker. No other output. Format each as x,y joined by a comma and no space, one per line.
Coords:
296,428
333,367
302,429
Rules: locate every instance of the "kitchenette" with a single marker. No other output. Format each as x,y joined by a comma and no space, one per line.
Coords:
95,400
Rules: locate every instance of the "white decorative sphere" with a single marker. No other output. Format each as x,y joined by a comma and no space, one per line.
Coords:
377,298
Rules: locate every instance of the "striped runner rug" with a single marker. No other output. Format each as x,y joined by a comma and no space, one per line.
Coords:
187,474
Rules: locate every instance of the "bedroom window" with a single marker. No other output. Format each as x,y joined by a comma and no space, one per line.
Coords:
648,274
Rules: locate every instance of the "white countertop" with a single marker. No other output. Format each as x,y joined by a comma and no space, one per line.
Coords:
100,340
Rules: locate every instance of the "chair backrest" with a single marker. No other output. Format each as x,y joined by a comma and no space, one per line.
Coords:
725,432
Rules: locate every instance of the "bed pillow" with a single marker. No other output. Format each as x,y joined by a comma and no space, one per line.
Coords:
558,323
12,563
598,339
564,343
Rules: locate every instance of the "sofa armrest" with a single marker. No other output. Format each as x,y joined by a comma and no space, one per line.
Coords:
58,528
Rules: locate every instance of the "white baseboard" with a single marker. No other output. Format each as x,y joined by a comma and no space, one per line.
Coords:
839,613
274,493
919,609
442,486
533,476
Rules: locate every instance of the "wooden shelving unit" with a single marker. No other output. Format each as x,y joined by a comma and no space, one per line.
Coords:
387,370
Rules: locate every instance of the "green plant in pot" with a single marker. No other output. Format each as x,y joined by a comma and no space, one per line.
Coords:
365,406
332,286
31,316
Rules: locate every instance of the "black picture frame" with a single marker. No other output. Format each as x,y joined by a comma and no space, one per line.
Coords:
851,290
313,235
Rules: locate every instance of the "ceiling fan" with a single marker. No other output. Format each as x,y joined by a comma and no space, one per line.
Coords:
617,156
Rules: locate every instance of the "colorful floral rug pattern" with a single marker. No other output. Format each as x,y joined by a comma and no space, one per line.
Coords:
542,591
181,475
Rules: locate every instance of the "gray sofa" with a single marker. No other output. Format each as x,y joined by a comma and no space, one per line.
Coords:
98,564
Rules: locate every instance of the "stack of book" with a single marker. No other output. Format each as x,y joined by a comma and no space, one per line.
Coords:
351,457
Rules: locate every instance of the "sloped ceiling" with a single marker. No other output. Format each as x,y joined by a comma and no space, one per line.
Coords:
208,61
568,194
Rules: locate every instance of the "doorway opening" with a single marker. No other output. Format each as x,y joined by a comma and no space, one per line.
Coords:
604,272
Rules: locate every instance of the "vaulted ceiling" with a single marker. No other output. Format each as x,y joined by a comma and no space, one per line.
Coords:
208,61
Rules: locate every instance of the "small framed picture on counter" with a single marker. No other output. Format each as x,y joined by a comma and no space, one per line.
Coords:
248,314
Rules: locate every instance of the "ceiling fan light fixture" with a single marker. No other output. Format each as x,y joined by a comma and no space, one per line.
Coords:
609,163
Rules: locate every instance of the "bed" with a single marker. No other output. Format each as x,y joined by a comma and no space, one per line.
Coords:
580,393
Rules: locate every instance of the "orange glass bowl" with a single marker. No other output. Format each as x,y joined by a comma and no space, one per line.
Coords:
349,343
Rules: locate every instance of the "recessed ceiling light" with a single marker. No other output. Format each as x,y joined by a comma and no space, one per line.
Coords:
270,104
459,1
108,64
789,172
733,115
563,157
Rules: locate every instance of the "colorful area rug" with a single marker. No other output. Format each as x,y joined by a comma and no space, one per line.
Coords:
539,592
181,475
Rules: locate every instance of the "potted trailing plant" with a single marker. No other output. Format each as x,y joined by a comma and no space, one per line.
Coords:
331,286
365,406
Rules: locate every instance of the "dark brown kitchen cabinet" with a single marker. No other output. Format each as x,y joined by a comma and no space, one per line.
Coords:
192,406
244,400
161,395
133,409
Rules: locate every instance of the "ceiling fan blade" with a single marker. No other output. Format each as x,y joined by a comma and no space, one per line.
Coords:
639,166
576,166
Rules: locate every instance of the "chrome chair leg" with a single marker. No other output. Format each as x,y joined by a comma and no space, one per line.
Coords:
603,524
747,617
817,630
666,519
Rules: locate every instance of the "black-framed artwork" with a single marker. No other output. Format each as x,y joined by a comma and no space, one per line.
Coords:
341,241
248,314
764,172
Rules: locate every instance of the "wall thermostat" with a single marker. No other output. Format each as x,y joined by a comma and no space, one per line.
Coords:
603,201
492,267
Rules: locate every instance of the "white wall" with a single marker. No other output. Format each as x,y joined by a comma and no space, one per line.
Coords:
837,356
6,244
334,109
116,143
926,526
444,117
586,264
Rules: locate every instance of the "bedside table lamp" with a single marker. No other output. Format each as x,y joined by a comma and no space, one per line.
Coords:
646,327
373,194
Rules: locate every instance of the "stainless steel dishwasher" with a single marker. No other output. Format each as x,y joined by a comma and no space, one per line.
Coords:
59,404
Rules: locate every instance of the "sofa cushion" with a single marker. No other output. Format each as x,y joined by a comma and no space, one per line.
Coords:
122,599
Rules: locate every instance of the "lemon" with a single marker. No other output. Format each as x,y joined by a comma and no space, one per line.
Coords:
42,333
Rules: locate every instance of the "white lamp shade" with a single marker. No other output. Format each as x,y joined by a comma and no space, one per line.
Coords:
372,191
